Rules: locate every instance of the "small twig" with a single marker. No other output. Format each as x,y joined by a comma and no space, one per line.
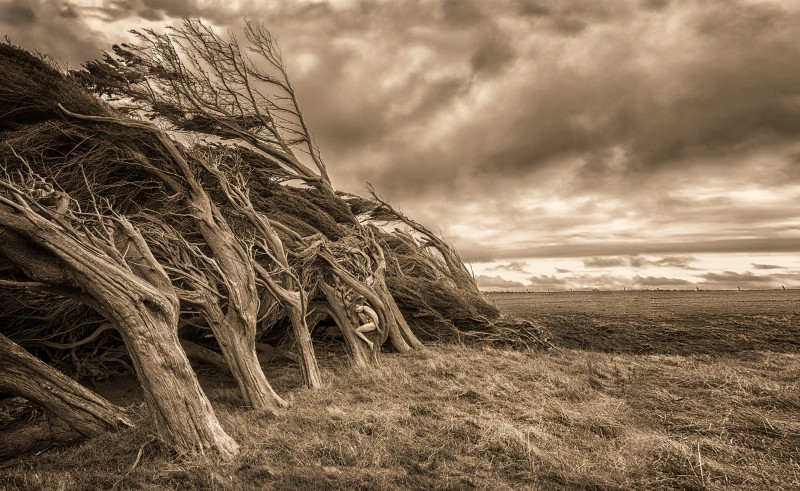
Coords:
700,460
135,462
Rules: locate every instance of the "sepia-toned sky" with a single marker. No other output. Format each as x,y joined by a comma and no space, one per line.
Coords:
557,143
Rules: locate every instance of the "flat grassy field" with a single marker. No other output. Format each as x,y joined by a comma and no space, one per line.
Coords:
648,390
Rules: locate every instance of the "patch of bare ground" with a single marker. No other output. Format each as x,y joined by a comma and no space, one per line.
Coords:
469,418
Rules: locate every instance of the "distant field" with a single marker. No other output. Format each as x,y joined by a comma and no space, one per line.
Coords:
647,390
667,322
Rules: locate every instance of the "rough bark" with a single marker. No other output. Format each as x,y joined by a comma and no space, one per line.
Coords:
400,334
202,354
134,292
294,304
243,362
288,292
236,339
360,356
82,410
235,329
33,437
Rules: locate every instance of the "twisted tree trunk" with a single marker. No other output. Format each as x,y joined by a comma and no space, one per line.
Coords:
239,349
360,356
235,329
135,293
400,334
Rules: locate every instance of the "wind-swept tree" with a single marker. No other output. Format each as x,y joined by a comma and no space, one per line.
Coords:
204,232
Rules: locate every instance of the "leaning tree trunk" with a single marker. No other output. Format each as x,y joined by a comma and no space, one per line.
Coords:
360,356
235,330
400,334
181,411
239,349
238,271
393,326
85,412
302,336
294,304
25,438
288,291
135,293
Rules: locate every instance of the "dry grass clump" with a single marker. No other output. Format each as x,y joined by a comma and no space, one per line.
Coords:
479,418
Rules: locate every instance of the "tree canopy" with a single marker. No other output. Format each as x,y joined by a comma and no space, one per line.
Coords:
169,201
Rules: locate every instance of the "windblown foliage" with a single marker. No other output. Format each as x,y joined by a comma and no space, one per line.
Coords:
222,203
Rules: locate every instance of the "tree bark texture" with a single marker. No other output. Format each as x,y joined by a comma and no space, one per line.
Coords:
84,412
137,296
359,355
235,328
33,437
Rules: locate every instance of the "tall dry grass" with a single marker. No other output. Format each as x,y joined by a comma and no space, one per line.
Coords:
468,418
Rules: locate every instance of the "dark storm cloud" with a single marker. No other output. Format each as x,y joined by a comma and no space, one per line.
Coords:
734,91
764,245
218,12
531,8
472,252
630,110
732,279
496,282
674,262
681,262
580,281
655,4
493,53
604,262
569,25
462,13
382,71
54,28
721,211
715,280
18,12
636,261
724,82
515,266
639,102
547,281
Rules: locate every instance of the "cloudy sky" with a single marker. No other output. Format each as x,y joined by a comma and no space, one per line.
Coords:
557,143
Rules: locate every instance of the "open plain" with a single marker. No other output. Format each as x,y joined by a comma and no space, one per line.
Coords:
644,390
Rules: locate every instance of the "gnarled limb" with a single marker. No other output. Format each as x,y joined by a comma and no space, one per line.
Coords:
134,292
200,82
399,327
85,412
234,328
360,357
